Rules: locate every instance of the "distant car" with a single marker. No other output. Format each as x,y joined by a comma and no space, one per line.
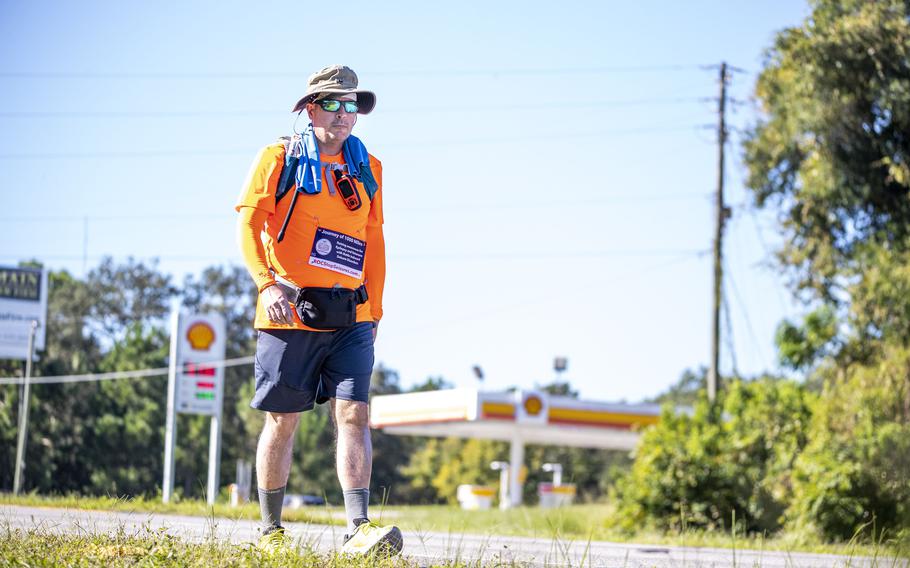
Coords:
295,501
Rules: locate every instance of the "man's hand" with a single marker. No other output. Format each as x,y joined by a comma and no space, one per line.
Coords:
276,305
375,330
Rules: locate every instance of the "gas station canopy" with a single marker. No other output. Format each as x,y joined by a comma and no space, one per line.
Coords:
533,417
519,417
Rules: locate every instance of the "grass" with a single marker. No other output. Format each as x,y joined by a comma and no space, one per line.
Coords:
249,511
155,549
577,523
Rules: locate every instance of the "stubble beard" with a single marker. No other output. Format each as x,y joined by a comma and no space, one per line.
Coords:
327,137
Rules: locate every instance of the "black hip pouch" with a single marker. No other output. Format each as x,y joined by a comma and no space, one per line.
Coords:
327,308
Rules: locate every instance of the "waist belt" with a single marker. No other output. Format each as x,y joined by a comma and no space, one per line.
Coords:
294,292
324,308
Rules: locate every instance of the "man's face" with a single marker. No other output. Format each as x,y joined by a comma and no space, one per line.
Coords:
332,127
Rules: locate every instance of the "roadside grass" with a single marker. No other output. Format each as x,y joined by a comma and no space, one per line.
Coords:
575,523
156,549
191,507
592,523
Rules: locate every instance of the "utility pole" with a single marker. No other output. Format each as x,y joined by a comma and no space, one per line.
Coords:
722,212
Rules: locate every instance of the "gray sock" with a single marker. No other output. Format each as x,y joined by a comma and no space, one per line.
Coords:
270,502
356,502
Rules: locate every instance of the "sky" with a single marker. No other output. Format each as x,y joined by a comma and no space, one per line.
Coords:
549,168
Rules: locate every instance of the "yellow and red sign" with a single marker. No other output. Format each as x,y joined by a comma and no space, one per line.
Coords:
200,335
533,405
200,380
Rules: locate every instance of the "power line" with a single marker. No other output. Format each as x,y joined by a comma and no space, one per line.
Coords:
556,254
64,218
562,204
56,114
223,216
728,333
424,144
127,154
536,300
768,253
190,75
742,306
143,373
416,257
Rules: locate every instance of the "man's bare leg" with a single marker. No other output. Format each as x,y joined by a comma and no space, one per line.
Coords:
354,460
353,456
273,463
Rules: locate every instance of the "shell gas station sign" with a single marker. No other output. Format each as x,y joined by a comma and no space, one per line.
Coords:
200,385
195,386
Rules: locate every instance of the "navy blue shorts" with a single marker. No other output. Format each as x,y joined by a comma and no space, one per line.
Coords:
296,369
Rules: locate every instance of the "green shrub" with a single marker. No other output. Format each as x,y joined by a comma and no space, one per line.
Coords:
854,476
696,470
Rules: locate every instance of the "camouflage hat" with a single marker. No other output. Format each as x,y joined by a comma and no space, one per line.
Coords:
338,79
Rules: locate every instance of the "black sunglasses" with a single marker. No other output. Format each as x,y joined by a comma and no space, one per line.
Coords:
331,105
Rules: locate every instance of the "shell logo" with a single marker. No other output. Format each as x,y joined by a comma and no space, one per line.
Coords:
533,405
200,335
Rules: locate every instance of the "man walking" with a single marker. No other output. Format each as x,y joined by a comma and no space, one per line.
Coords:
310,231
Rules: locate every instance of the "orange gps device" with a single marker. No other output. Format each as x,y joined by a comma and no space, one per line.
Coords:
348,190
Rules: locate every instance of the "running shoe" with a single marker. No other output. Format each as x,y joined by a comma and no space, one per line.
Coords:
274,541
370,537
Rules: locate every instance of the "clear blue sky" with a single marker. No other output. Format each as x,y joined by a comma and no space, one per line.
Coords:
548,167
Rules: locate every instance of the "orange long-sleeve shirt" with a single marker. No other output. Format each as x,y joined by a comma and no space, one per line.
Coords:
324,241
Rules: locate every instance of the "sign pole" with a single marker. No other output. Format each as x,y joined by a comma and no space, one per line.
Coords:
23,412
195,386
214,458
170,421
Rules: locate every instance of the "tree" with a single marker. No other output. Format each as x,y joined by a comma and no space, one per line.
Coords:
125,414
432,384
127,294
686,390
560,388
228,291
592,471
77,430
855,473
437,469
832,155
802,346
69,349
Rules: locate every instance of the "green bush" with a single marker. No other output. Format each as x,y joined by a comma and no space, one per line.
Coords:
854,476
696,470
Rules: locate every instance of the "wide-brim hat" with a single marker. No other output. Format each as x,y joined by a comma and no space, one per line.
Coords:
338,79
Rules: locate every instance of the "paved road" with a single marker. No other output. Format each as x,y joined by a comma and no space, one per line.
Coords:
428,547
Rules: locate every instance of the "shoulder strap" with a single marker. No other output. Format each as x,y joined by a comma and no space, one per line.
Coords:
288,178
288,171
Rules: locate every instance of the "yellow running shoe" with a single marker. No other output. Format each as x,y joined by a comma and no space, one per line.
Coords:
275,541
369,538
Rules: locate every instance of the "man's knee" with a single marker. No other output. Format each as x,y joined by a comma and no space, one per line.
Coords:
280,425
352,414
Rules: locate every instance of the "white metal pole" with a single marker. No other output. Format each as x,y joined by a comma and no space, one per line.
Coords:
23,412
170,420
214,458
504,487
516,460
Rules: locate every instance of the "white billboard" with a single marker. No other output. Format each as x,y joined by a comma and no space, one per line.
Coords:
23,299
